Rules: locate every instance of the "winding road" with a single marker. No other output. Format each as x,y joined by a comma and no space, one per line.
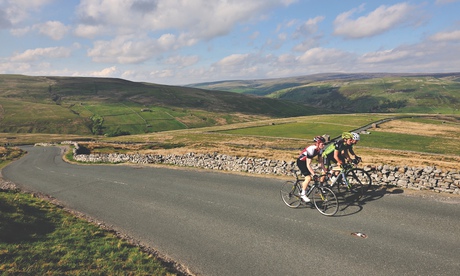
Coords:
225,224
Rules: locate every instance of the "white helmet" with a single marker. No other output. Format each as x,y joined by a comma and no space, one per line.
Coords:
355,136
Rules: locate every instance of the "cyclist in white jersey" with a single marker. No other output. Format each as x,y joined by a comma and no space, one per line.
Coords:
304,163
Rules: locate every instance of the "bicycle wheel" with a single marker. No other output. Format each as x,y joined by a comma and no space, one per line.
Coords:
290,194
325,201
361,176
353,188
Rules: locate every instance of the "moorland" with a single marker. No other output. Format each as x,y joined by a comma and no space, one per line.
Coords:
272,118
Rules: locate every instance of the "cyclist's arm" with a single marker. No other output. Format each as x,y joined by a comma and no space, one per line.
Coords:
352,152
321,162
346,155
337,157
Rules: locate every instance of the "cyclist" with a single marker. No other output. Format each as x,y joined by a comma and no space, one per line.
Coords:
304,163
339,152
354,158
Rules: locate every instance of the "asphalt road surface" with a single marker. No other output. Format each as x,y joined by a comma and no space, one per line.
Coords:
225,224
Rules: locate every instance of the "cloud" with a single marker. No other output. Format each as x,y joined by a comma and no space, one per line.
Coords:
129,50
238,66
446,36
20,31
385,56
202,19
106,72
166,73
39,53
16,11
380,20
310,26
426,56
5,22
54,29
232,60
318,56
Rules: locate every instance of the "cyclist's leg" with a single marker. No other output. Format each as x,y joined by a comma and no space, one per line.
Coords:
354,184
305,172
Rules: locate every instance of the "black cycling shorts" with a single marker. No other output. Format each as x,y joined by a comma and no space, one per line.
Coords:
303,167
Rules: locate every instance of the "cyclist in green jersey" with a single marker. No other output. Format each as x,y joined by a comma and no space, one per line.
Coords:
341,150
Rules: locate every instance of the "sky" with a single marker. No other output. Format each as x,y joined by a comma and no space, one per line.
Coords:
179,42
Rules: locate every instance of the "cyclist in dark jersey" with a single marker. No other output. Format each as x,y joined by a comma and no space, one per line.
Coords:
341,150
304,163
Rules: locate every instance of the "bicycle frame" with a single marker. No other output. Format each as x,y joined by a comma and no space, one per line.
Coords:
341,178
322,197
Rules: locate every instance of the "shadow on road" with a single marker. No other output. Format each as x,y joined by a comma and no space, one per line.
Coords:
351,204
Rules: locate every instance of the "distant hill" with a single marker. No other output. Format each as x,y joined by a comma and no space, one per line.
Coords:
372,92
78,105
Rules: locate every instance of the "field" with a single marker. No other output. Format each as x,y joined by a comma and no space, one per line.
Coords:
112,107
424,141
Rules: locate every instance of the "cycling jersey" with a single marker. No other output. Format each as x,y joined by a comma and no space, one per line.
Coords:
339,145
309,152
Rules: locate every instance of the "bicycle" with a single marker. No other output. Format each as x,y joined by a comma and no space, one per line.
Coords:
354,180
322,197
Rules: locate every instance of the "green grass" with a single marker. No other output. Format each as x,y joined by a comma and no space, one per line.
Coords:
309,127
399,141
65,105
333,125
38,238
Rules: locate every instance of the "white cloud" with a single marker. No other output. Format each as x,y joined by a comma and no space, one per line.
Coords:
16,11
39,53
385,56
378,21
167,73
232,60
238,66
54,29
127,50
106,72
446,36
20,31
318,56
201,18
310,26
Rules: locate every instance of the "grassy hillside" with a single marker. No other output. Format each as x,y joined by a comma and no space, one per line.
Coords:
96,106
433,93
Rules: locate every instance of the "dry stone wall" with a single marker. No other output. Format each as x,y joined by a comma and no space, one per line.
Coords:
420,178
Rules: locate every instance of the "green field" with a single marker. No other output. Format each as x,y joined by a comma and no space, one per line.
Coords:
334,125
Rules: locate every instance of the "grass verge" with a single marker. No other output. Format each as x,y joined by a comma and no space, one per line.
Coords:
38,237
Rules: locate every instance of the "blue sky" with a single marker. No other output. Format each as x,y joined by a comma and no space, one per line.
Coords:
180,42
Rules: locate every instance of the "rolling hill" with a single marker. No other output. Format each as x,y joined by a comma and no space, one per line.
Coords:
78,105
373,92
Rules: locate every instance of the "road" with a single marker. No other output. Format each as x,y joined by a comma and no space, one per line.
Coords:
225,224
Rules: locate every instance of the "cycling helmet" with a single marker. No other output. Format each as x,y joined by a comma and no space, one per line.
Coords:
355,136
347,135
318,139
